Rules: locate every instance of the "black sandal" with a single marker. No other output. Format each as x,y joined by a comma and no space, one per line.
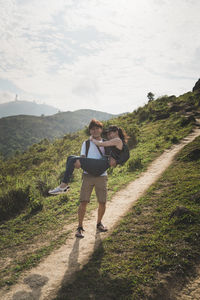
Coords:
101,228
79,232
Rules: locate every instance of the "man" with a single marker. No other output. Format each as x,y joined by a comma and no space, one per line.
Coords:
89,182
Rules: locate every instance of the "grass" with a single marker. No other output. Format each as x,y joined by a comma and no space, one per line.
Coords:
30,226
151,243
25,180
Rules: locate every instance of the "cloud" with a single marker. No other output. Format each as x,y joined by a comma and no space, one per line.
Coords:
96,53
6,96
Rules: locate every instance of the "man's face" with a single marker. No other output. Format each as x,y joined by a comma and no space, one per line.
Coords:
96,132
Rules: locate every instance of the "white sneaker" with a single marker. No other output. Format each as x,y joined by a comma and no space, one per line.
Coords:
58,190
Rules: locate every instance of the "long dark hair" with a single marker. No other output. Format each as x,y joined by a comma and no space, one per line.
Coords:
121,132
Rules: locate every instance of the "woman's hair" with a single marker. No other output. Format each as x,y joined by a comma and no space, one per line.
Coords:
121,132
95,123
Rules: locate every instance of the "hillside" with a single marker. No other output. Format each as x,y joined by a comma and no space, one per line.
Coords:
17,133
32,222
19,107
154,248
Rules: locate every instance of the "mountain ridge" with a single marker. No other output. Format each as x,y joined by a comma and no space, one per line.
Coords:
22,107
19,132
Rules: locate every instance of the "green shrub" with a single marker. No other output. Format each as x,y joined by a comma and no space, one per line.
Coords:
134,164
13,202
143,115
174,140
35,198
184,121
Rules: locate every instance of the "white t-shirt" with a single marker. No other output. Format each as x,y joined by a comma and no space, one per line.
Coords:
93,152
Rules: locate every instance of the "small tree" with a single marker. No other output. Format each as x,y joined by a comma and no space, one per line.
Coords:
150,96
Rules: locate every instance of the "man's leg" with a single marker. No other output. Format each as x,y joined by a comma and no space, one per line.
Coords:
86,190
101,211
81,213
101,192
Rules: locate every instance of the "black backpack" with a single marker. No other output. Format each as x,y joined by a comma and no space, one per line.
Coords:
124,155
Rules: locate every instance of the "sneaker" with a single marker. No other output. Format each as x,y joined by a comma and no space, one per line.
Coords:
58,190
79,232
101,228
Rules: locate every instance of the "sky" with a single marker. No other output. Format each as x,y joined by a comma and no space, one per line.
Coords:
98,54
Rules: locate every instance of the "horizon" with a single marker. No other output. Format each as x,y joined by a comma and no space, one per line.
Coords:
59,111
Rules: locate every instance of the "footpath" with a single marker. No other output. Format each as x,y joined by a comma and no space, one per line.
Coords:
43,281
192,290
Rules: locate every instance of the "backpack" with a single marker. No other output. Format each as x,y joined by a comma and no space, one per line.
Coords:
87,146
124,155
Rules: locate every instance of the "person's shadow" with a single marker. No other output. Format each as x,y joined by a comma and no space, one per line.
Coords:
74,267
36,282
73,264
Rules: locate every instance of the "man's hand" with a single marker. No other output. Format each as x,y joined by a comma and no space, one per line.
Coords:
112,162
97,143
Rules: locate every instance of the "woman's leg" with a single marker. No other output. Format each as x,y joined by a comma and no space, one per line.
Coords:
70,165
72,162
95,167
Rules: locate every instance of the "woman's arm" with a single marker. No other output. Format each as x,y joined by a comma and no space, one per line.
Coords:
113,142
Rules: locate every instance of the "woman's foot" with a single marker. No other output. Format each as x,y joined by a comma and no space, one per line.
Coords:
58,190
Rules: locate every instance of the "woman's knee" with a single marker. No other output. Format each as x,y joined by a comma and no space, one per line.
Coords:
77,164
70,157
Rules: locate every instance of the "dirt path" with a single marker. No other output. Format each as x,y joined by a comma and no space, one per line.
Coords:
192,290
43,281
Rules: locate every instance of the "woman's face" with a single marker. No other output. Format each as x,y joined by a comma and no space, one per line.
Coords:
112,134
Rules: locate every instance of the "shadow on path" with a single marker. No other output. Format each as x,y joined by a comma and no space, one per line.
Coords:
35,282
73,264
91,282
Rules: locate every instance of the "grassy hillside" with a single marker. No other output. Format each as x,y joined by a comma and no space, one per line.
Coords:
17,133
154,247
32,222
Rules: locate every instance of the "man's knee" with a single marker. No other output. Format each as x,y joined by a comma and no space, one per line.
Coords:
83,204
102,204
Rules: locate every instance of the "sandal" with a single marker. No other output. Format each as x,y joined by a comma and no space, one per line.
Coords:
79,232
101,228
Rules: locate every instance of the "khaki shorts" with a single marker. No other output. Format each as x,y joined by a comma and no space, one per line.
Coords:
89,182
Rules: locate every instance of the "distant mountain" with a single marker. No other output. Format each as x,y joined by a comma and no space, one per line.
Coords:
26,108
17,133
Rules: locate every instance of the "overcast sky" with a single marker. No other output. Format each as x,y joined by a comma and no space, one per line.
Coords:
98,54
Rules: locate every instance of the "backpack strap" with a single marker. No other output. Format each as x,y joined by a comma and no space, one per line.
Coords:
99,150
87,144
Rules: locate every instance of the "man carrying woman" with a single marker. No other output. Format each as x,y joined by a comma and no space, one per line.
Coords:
94,165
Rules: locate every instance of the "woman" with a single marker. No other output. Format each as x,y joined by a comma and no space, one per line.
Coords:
117,141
